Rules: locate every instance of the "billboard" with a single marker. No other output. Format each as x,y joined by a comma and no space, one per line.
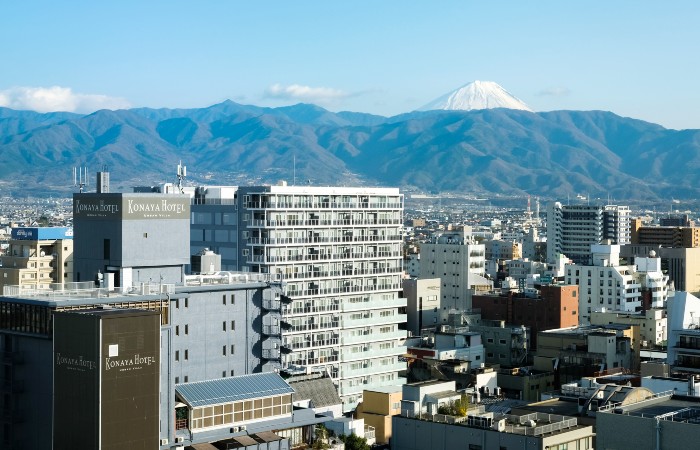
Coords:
130,206
106,379
76,381
41,233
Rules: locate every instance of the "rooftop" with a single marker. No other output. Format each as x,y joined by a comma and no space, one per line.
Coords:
226,390
86,290
662,406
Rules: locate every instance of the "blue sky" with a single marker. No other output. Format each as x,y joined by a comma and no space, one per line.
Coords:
635,58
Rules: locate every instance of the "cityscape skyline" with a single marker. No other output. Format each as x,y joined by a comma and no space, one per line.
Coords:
631,59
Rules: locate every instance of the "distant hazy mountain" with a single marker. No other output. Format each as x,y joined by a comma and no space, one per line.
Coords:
477,95
505,151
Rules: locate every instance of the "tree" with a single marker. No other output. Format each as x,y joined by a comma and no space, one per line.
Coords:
456,408
321,438
354,442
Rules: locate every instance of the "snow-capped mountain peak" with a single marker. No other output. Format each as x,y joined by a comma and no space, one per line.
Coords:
477,95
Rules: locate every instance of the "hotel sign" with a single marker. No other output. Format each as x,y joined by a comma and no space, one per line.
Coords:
134,362
119,207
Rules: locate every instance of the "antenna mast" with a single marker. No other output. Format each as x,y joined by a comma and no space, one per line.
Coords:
181,174
80,178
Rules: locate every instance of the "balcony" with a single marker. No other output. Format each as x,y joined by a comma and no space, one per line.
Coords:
370,369
373,337
322,240
347,356
344,289
397,302
310,326
322,205
368,319
271,330
272,354
325,256
304,344
312,307
265,223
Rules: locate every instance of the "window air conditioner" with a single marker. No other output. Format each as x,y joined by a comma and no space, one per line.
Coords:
179,439
241,428
163,442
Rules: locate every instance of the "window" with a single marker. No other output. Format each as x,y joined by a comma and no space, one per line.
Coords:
187,379
233,325
106,249
233,348
187,329
187,356
502,341
232,372
177,355
187,302
223,326
177,380
223,350
177,330
223,299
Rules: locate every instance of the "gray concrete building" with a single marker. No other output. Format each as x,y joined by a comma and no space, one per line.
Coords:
210,328
664,421
129,239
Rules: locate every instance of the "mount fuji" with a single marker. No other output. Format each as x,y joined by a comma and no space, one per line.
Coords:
477,95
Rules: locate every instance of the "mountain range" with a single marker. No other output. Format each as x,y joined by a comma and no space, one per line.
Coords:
502,151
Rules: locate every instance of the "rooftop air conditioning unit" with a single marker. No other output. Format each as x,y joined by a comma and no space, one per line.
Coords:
164,441
179,439
241,428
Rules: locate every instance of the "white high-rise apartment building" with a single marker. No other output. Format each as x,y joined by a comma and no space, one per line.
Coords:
572,229
339,251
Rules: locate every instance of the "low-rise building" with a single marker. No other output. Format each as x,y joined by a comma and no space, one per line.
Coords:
552,307
480,430
377,408
660,422
577,352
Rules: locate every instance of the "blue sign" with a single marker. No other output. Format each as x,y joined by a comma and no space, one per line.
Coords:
41,233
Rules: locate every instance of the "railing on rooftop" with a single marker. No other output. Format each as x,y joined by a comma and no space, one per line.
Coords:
83,289
231,278
612,406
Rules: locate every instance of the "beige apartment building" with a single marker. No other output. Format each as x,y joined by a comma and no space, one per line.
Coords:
37,257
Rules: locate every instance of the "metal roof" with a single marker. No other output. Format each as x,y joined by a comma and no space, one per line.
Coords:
226,390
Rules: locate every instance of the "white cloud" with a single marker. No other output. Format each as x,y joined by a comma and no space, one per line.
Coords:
57,98
554,92
301,93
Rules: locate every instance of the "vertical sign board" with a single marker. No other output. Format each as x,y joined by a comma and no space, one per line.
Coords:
76,381
106,379
130,380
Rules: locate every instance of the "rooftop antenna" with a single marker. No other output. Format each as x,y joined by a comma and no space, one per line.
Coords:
181,174
80,178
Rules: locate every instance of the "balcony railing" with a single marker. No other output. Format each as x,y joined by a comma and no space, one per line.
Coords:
264,223
260,258
323,239
323,205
